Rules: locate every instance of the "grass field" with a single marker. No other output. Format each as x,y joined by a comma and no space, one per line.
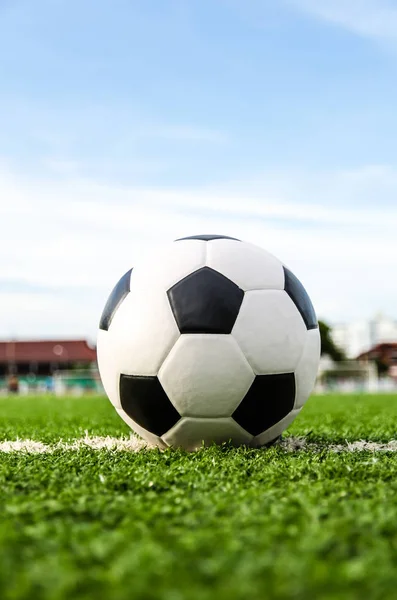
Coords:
317,522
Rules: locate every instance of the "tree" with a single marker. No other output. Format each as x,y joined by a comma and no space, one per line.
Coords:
328,346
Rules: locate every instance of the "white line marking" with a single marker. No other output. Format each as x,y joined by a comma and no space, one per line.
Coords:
132,444
23,446
293,444
135,444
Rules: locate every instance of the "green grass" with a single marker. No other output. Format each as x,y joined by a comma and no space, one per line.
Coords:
50,418
326,419
219,523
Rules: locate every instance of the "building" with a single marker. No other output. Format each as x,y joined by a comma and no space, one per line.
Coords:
385,356
43,358
360,336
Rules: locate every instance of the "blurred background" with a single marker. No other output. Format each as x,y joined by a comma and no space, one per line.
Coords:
128,124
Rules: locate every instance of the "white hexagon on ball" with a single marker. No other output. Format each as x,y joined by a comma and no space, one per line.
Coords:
206,375
270,331
211,340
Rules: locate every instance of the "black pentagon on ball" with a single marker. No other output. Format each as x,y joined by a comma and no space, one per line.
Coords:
205,302
269,399
144,400
207,238
117,295
300,297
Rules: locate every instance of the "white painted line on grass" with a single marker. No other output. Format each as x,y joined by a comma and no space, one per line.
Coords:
293,444
132,444
135,444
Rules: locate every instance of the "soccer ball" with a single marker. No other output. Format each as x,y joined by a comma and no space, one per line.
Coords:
212,340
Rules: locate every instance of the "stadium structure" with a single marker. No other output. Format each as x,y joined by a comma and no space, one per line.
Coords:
48,365
384,356
374,370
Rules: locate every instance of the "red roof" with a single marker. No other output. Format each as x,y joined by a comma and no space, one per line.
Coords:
59,351
378,348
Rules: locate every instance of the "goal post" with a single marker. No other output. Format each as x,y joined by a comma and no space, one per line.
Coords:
347,376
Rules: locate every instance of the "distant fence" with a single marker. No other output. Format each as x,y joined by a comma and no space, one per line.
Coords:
353,377
76,382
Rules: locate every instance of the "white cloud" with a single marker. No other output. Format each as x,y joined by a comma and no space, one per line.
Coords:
72,240
375,19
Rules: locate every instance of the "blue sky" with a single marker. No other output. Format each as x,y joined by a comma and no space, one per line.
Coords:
128,123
